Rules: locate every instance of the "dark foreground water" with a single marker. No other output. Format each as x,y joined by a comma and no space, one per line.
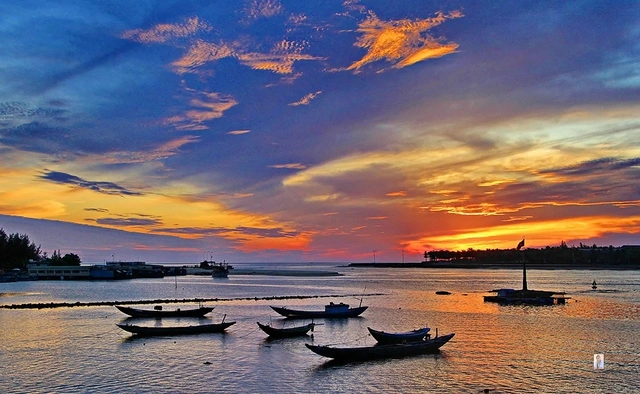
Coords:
508,349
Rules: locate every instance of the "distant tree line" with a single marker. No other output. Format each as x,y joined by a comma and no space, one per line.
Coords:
550,255
17,250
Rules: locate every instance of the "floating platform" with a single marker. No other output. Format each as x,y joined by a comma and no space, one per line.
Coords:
527,297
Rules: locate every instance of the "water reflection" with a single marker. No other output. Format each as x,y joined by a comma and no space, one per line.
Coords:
507,348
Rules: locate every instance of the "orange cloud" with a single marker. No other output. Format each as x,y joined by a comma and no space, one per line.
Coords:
280,59
538,234
401,41
280,63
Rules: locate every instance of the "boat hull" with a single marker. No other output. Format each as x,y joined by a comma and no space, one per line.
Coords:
134,312
286,332
401,337
164,331
382,351
300,314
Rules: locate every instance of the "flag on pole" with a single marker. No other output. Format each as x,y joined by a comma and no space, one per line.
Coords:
520,244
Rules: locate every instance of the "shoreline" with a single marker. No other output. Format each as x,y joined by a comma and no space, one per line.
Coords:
241,271
517,266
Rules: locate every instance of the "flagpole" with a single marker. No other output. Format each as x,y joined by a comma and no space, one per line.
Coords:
524,265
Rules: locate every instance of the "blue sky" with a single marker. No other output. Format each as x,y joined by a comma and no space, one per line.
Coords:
318,131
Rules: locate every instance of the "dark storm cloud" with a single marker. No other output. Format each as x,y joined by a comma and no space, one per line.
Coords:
97,186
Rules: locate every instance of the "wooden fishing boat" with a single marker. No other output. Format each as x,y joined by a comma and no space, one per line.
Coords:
286,332
159,312
330,311
176,330
400,337
382,351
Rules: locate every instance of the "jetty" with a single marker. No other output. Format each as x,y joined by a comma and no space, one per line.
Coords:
50,305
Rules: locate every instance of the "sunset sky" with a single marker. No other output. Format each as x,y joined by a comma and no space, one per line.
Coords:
272,130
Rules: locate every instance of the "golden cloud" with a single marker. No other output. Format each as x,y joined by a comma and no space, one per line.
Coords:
279,60
280,63
401,41
547,232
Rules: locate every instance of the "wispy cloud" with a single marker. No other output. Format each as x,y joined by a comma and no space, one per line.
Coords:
205,107
200,53
101,210
290,166
166,32
306,100
155,153
97,186
238,132
128,222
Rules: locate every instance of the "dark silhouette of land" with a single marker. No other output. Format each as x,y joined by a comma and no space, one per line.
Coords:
562,257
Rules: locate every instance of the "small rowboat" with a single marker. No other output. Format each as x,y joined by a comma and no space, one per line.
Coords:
158,312
330,311
381,351
176,330
399,337
286,332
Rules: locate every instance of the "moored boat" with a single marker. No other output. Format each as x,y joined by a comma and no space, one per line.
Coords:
330,311
286,332
381,351
220,270
400,337
176,330
158,312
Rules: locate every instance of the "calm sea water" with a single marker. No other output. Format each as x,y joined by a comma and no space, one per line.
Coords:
508,349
